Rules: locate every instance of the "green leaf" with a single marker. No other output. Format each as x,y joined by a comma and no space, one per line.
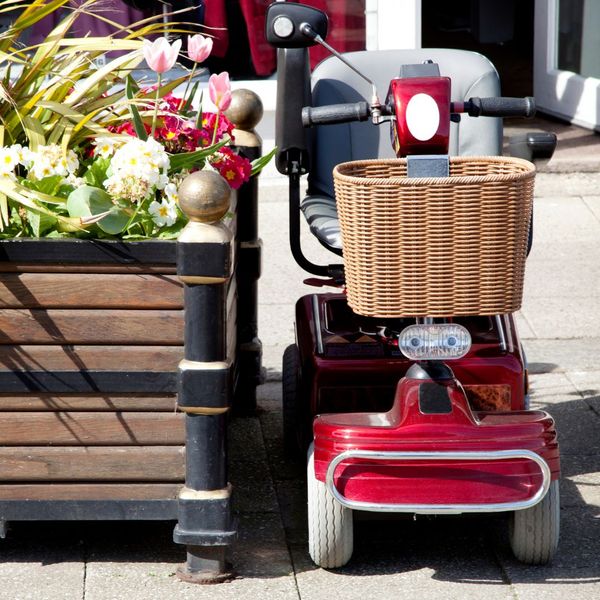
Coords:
47,185
39,223
260,163
87,201
96,173
34,132
191,160
173,232
138,124
188,101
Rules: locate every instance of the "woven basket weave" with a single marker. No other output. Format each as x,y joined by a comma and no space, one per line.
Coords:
435,246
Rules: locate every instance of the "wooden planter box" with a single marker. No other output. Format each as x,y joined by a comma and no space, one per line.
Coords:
91,334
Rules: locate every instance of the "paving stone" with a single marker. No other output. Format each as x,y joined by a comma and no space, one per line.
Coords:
574,571
42,561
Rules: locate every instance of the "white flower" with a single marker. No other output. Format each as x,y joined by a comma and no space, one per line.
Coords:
163,180
9,158
26,157
171,193
72,162
49,161
75,181
105,146
163,213
138,168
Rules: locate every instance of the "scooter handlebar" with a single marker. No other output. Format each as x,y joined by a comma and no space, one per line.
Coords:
500,107
475,107
335,113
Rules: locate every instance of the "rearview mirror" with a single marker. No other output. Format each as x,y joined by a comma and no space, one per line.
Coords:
284,20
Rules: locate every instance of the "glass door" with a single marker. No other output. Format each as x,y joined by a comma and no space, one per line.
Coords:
567,60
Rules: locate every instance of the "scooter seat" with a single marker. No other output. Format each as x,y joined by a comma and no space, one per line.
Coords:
321,215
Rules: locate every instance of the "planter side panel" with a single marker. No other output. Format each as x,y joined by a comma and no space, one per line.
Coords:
88,374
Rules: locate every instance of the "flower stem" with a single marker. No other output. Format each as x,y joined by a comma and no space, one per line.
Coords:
155,118
214,137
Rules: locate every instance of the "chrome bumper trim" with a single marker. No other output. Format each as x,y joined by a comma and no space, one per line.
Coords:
444,456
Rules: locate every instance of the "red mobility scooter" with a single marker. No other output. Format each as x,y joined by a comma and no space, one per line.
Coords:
409,390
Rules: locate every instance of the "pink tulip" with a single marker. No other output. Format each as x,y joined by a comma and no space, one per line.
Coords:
199,47
219,90
160,55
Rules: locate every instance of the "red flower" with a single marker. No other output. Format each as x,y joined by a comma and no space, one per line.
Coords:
233,168
225,126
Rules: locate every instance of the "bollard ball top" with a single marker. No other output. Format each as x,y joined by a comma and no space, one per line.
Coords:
246,109
204,196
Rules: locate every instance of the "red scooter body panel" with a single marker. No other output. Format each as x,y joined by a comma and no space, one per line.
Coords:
356,372
406,428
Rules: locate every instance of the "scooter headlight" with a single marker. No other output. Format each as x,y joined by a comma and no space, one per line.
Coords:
440,341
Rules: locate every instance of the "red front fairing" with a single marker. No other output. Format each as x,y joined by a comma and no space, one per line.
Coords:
406,428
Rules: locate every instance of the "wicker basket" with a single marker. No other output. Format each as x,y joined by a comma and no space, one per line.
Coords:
435,246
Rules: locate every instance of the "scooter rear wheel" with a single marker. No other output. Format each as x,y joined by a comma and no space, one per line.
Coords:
534,532
330,526
290,384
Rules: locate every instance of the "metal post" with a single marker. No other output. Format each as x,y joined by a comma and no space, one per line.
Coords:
204,252
245,112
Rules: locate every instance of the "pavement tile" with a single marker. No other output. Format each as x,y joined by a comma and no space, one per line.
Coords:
269,395
563,317
574,572
580,483
547,277
578,427
593,203
400,558
563,355
587,383
245,440
261,560
569,184
272,357
42,561
291,494
567,217
523,327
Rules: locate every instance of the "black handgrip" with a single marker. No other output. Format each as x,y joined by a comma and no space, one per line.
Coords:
335,113
501,107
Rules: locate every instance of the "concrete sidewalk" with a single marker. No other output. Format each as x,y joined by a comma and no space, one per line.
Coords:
454,557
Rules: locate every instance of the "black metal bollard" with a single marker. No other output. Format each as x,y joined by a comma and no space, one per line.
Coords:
204,265
245,112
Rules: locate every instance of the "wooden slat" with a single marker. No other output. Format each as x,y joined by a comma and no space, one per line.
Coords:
84,290
20,267
89,358
90,491
89,403
91,429
128,327
147,463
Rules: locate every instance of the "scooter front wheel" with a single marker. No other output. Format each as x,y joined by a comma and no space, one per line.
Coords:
534,532
330,526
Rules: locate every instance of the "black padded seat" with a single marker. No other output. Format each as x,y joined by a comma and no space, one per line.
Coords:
333,82
321,215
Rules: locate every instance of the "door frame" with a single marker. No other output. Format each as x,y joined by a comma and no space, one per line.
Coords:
563,94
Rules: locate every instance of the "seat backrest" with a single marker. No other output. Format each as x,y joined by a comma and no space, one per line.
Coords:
333,82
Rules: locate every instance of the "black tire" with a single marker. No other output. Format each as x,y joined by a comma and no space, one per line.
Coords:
534,531
291,403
